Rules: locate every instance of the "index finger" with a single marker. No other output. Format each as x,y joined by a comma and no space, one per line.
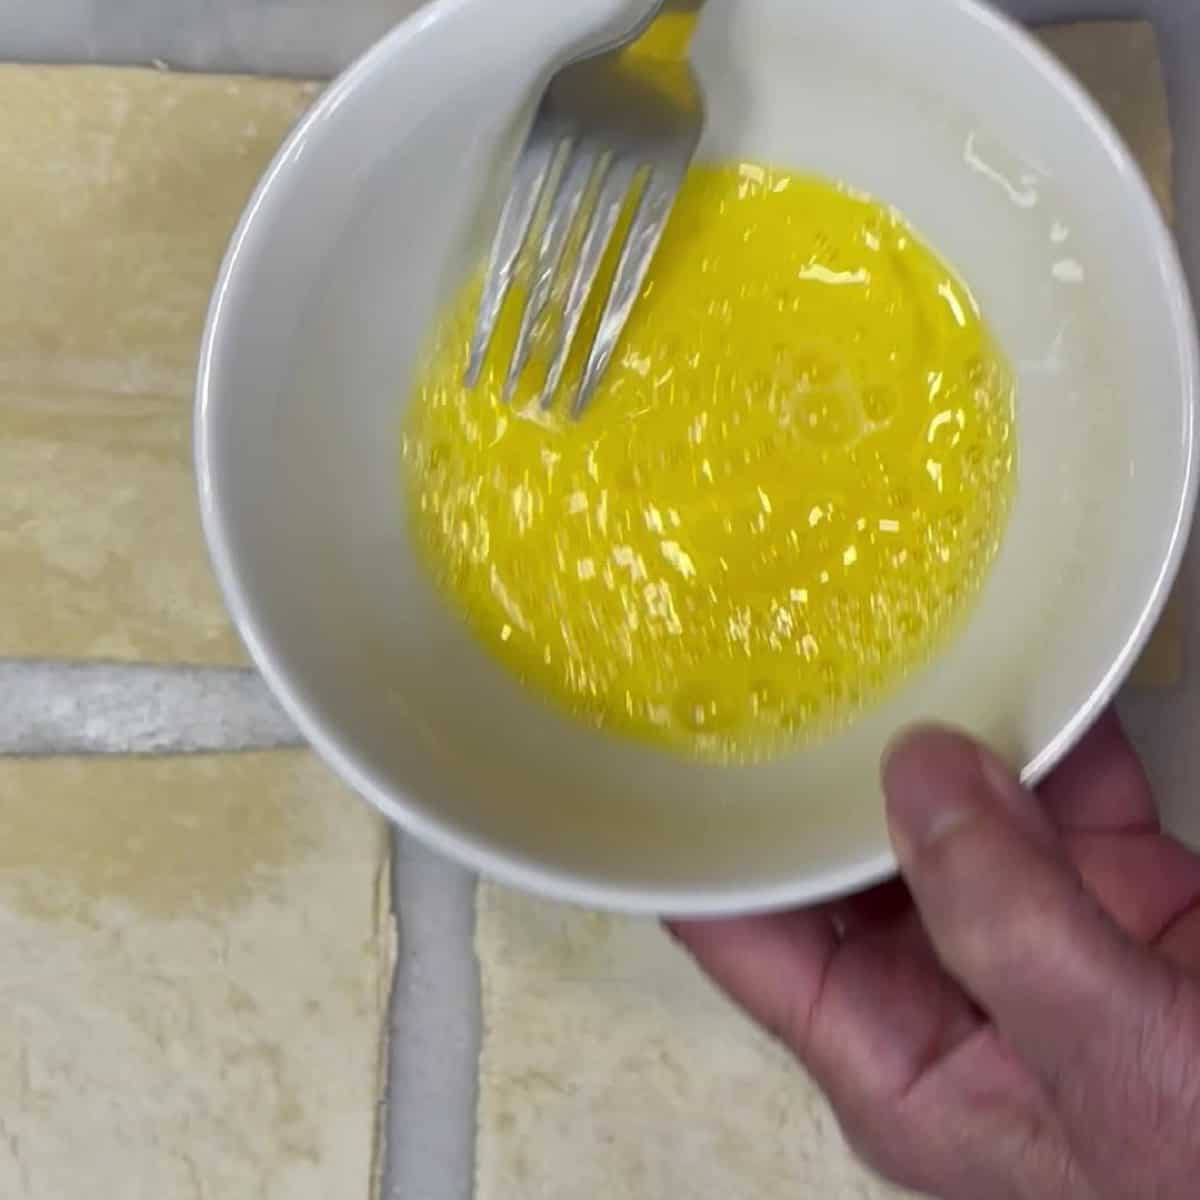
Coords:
867,1014
1101,787
773,966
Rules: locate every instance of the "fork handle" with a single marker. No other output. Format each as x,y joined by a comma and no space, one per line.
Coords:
611,42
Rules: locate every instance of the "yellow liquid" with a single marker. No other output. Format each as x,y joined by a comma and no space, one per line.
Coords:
785,496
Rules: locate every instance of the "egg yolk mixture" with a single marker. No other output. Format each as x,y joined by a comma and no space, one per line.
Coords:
785,495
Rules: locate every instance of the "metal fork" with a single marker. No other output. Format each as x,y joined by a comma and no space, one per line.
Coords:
613,128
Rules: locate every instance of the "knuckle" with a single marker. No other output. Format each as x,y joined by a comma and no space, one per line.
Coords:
1158,1077
1145,1085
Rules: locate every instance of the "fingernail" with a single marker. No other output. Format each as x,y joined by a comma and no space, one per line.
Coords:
934,781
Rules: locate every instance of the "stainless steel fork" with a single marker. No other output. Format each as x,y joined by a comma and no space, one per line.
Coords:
616,127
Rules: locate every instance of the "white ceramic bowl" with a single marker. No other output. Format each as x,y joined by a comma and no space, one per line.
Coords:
366,223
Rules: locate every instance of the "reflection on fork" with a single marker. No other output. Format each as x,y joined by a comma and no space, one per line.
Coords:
613,136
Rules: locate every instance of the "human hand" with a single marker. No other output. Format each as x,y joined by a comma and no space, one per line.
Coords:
1022,1020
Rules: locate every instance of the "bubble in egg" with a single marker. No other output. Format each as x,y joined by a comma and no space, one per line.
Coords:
785,497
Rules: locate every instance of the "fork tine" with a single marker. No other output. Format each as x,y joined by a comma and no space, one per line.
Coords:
616,177
564,210
650,221
529,181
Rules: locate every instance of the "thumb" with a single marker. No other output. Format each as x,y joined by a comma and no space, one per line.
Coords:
1081,1004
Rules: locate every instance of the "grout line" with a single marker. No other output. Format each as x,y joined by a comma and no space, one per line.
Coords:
71,708
435,1031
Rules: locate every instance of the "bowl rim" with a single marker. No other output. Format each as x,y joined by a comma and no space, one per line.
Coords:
525,872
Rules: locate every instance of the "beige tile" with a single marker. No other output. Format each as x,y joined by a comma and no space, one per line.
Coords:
197,957
610,1068
121,190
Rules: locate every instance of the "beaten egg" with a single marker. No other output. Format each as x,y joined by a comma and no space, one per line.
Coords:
785,496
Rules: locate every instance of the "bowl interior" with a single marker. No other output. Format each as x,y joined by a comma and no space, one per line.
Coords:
366,225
